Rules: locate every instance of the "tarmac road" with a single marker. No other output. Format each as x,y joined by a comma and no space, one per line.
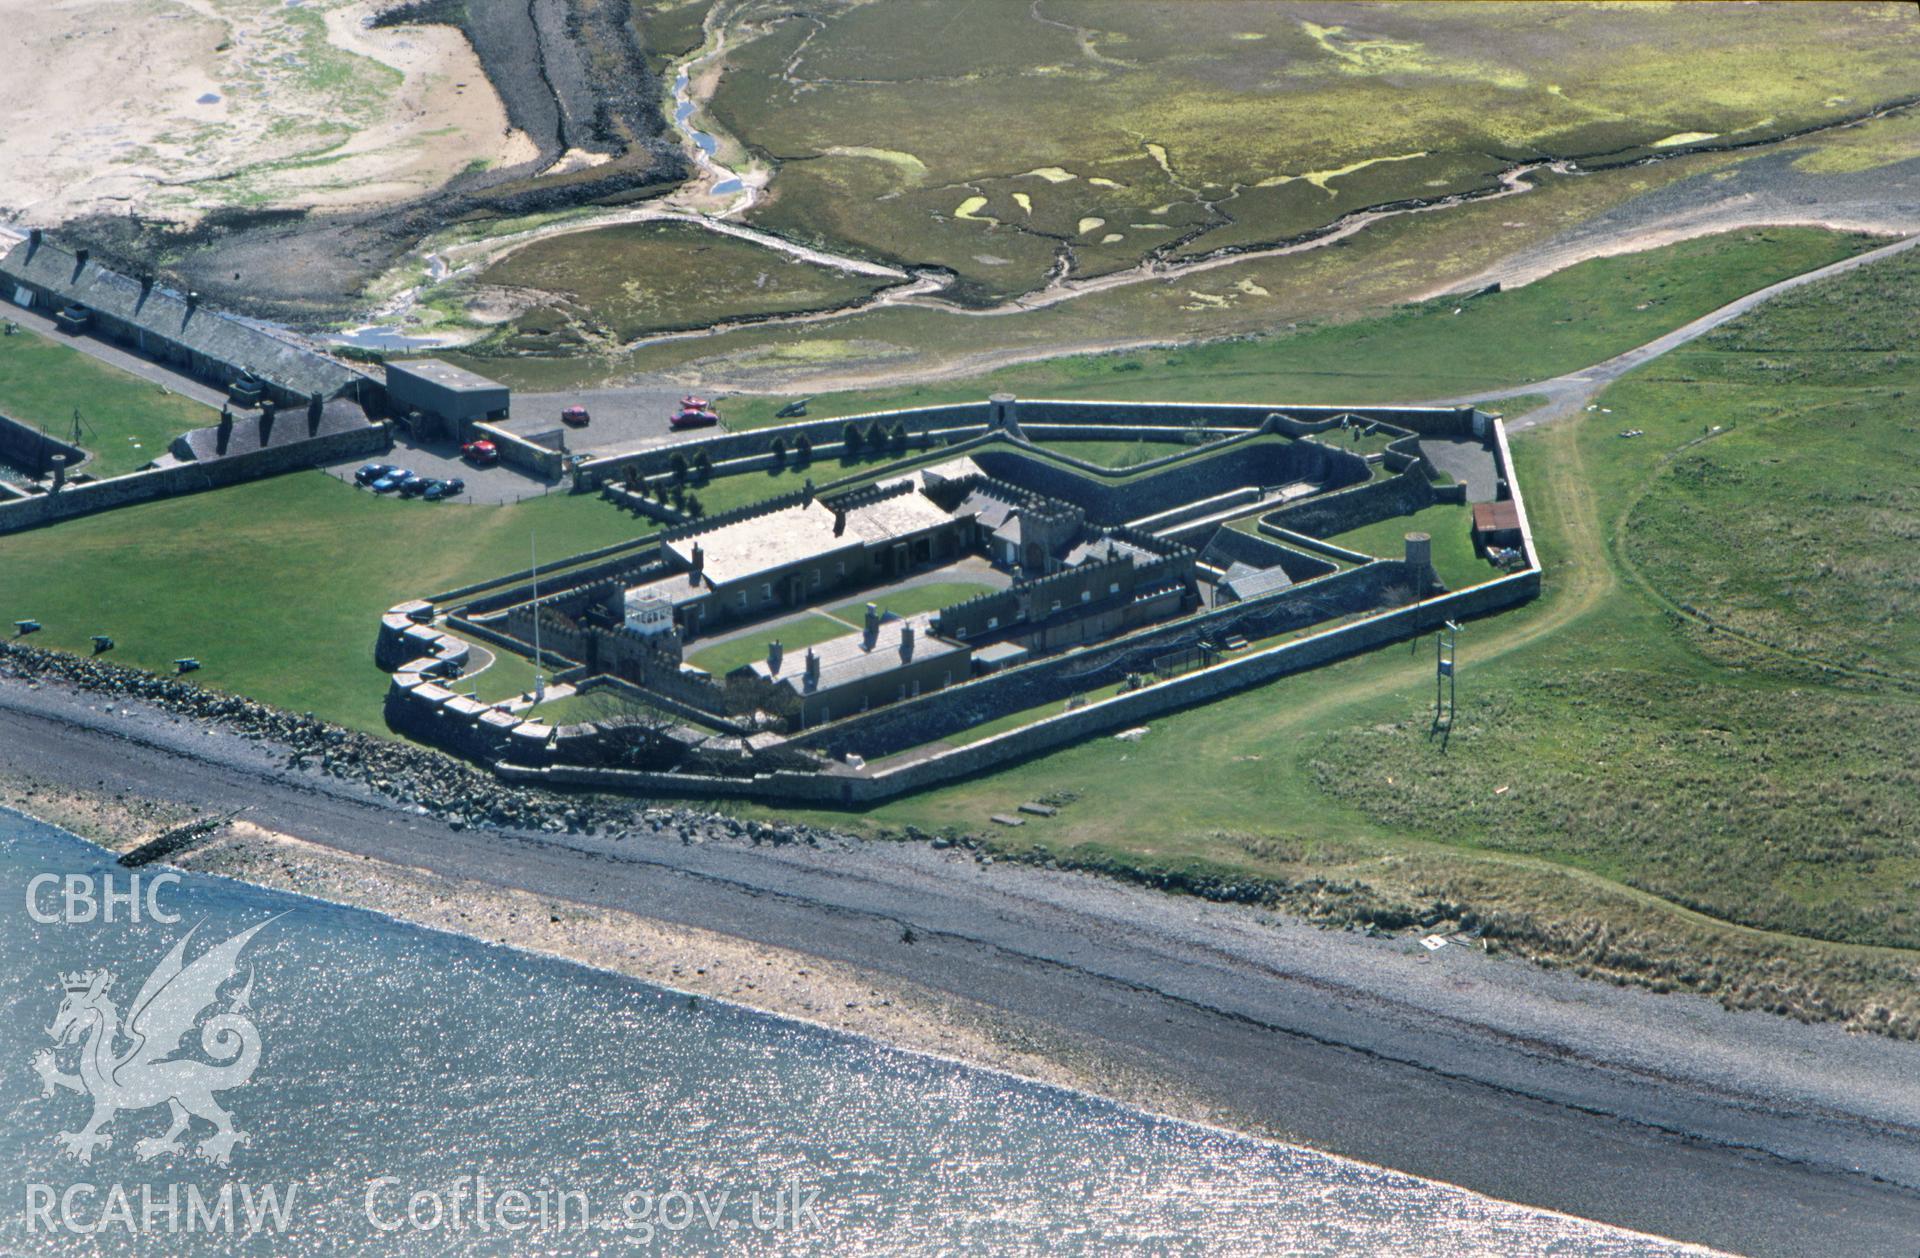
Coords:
1662,1113
1569,394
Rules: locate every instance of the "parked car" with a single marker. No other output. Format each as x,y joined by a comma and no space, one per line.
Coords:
438,489
415,487
575,417
371,473
695,412
393,480
481,453
690,418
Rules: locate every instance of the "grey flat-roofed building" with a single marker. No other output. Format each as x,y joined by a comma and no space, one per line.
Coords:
168,326
439,390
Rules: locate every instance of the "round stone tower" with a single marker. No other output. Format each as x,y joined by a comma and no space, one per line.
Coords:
1420,556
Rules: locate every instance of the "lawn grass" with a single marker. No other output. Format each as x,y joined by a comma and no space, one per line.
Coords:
913,600
1450,524
1115,454
126,421
277,586
795,633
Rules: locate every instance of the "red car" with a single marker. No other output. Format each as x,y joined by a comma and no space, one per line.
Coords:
575,417
481,453
695,412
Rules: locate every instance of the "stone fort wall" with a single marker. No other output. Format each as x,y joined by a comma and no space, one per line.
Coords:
188,478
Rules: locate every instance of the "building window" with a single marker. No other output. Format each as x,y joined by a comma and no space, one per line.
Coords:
946,679
840,569
743,598
916,688
766,591
816,578
993,622
1056,604
1086,596
1114,588
903,692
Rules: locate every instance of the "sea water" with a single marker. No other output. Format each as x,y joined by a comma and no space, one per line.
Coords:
420,1092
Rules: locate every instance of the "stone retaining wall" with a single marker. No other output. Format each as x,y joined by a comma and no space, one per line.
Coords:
27,448
1381,498
434,712
187,478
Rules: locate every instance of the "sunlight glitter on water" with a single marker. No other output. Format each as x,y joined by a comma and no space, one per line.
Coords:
405,1060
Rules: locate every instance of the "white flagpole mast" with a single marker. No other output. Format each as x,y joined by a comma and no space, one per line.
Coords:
539,681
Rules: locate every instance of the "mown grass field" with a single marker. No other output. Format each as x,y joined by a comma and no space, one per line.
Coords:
277,586
126,421
795,634
913,600
1450,525
1105,132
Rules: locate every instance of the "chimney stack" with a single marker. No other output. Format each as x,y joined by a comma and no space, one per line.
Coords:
906,641
839,522
873,625
80,256
813,670
34,235
774,655
806,491
193,299
699,564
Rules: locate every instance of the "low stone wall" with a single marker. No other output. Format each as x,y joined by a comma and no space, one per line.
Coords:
520,753
1093,420
187,478
755,443
1057,678
1382,498
1314,544
516,451
1111,497
1230,546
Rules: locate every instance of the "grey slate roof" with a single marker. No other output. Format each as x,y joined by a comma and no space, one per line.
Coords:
848,659
1262,581
1108,548
161,312
289,426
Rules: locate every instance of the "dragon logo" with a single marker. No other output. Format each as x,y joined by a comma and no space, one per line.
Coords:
144,1072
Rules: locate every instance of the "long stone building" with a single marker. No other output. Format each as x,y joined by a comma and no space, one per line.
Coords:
173,328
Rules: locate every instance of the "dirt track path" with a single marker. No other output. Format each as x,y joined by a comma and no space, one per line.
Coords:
1569,394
